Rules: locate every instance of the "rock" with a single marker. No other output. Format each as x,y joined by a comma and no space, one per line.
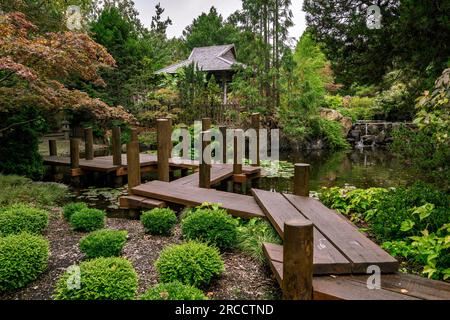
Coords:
347,124
355,134
369,139
373,129
381,137
330,114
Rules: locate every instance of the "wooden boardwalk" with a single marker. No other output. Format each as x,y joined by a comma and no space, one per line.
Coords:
105,164
236,204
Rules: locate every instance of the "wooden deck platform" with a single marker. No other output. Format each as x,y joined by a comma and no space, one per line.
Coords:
397,286
237,204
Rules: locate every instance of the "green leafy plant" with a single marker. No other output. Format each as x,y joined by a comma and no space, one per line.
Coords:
357,204
173,291
71,208
429,250
211,225
192,263
159,221
103,243
98,279
17,189
22,218
23,258
88,220
252,234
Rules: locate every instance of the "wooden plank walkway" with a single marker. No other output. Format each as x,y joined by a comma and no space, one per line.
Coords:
218,174
357,248
327,258
237,204
397,286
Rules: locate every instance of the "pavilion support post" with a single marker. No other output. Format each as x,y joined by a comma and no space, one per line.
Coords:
74,153
116,146
205,164
164,133
223,131
75,160
89,144
206,124
133,163
301,179
237,161
298,260
256,124
53,150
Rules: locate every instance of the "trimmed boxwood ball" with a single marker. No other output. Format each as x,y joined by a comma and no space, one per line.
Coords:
173,291
100,279
211,225
88,220
71,208
191,263
22,218
23,257
103,243
159,221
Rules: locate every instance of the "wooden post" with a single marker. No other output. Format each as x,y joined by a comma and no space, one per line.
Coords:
256,124
223,131
116,146
164,141
52,148
170,137
134,135
206,124
133,163
205,164
74,153
301,179
237,163
89,144
298,260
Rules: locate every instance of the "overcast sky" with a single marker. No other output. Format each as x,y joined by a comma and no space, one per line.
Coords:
182,12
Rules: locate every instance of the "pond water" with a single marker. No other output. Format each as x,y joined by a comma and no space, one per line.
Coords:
360,168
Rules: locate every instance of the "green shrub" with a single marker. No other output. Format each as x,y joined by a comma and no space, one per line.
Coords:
159,221
99,279
71,208
211,225
357,204
23,258
252,234
408,211
22,218
88,220
103,243
173,291
17,189
192,263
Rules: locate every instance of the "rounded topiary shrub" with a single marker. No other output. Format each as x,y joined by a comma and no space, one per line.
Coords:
98,279
159,221
71,208
103,243
192,263
23,257
212,225
88,220
22,218
173,291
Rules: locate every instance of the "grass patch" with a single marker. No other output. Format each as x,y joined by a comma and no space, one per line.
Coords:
17,189
252,234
